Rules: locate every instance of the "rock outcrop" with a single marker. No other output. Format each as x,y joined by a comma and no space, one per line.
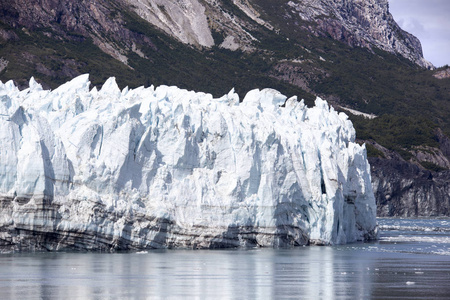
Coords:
75,21
443,74
404,189
183,19
359,23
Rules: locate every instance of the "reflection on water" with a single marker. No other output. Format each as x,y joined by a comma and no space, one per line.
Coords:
309,273
357,271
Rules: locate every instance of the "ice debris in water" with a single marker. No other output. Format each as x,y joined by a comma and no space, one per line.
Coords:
167,167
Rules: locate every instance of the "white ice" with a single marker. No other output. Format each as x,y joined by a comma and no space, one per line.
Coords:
204,164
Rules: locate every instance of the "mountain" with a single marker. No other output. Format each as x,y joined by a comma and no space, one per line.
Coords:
164,168
349,52
125,30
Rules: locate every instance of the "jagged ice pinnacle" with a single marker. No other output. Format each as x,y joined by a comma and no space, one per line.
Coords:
166,167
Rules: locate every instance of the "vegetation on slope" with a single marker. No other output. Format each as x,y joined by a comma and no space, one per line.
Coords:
214,70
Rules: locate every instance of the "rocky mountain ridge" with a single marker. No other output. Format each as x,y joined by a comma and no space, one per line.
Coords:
357,23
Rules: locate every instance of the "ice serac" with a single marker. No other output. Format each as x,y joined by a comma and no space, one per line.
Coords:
165,167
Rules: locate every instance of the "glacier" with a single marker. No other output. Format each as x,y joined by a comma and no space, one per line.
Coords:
164,167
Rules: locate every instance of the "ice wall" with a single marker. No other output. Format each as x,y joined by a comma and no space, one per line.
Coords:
166,167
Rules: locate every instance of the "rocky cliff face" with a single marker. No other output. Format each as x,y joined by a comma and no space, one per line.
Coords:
406,190
76,20
195,22
184,19
359,23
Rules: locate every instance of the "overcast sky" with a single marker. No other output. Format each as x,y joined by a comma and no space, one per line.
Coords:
429,20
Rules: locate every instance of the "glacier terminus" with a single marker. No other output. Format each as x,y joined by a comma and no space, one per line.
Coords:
111,169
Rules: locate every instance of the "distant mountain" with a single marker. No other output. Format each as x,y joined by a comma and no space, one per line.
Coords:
350,52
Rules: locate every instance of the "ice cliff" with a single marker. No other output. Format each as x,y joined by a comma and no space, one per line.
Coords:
165,167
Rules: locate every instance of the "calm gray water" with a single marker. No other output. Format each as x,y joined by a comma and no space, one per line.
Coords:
411,261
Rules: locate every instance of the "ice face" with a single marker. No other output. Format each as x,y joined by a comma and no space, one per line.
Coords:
168,167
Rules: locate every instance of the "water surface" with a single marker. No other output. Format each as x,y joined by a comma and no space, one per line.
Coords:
411,261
